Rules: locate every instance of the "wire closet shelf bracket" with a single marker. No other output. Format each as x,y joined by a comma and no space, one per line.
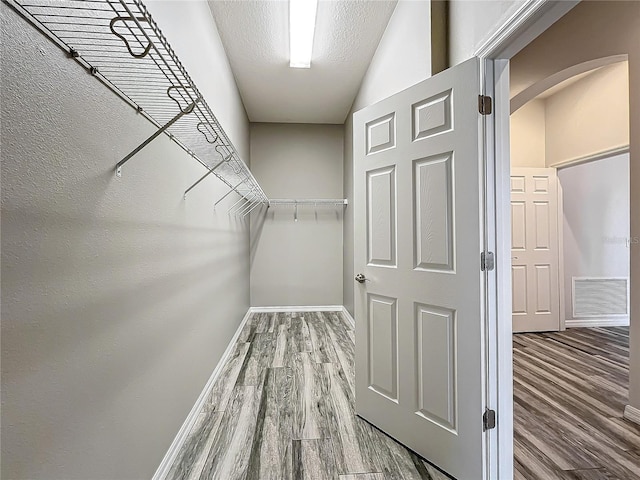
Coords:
119,43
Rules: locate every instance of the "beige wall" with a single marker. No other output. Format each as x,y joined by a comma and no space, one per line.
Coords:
528,135
594,30
118,296
297,263
589,116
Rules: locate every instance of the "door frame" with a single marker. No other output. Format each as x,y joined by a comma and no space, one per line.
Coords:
531,19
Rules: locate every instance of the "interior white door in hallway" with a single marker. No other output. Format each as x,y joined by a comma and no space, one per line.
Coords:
419,305
534,250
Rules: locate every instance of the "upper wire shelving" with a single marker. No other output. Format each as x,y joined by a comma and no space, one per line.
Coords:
119,42
309,202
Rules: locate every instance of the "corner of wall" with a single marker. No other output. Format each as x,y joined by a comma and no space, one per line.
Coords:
402,59
347,234
439,36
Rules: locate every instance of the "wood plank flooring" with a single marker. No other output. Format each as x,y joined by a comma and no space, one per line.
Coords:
283,409
570,389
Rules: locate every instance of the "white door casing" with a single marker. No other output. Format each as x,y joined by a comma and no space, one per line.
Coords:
510,35
534,250
418,238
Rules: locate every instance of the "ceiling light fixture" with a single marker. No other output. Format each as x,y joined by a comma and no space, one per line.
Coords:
302,25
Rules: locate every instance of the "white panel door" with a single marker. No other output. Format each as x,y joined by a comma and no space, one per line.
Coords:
534,250
419,319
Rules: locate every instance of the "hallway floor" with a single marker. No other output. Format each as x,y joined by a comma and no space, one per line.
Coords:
570,389
283,408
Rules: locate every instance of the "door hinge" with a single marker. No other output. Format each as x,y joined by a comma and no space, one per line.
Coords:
487,261
484,105
488,419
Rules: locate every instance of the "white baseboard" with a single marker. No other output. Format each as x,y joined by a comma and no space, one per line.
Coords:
632,414
180,438
316,308
597,322
347,316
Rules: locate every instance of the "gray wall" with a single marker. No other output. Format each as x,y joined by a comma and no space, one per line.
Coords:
118,297
348,274
471,22
596,221
297,263
402,59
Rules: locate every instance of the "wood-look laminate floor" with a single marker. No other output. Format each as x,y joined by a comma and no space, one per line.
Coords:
283,409
570,389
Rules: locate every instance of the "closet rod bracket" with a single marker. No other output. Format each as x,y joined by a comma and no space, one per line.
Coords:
215,167
233,189
158,132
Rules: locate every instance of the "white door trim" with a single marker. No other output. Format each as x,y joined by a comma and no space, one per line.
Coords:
560,220
531,19
499,343
612,152
527,22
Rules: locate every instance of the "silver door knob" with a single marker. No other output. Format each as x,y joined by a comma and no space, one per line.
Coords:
360,278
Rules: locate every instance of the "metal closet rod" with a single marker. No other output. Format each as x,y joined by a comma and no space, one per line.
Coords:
120,44
308,201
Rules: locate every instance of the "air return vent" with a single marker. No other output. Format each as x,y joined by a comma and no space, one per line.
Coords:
600,297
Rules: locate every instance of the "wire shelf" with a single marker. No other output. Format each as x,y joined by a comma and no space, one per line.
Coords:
309,202
119,42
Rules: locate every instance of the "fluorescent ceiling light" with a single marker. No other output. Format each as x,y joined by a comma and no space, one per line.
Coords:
302,25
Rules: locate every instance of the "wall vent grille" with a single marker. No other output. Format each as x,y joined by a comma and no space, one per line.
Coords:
599,297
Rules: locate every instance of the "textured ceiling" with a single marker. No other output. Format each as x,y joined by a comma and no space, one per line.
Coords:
255,35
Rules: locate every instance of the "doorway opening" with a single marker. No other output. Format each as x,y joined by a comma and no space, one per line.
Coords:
570,276
565,39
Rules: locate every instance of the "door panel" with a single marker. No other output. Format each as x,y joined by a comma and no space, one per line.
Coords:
432,116
381,217
534,254
519,282
543,289
542,225
383,345
381,134
518,225
433,222
419,316
437,354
